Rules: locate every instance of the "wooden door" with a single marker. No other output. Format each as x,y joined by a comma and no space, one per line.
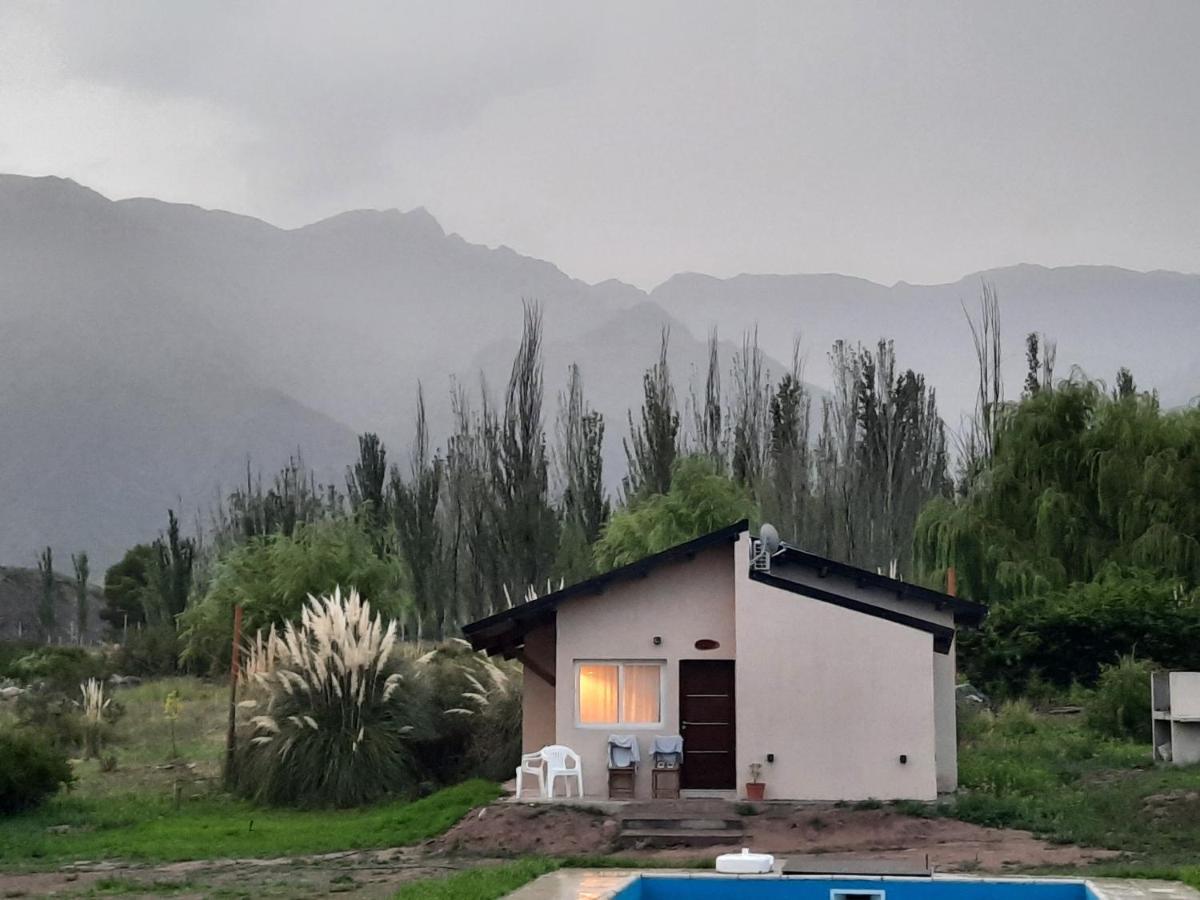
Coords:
706,721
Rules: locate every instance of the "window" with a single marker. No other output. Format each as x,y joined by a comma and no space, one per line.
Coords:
610,693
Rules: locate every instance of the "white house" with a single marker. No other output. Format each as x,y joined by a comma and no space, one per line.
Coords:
838,681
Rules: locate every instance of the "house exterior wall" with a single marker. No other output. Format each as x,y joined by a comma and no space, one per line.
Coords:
537,696
945,704
681,603
944,664
836,695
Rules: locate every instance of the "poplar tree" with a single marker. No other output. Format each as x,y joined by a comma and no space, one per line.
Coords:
80,563
46,616
653,443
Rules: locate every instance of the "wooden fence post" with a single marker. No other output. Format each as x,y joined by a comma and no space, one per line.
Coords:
234,664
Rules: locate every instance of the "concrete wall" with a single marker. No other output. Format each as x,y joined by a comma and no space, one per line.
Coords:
944,665
537,698
946,719
682,603
836,695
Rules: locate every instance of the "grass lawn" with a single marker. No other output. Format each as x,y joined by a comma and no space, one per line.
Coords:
145,828
130,813
1051,776
484,883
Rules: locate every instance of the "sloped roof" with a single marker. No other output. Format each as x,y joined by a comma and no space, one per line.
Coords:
504,632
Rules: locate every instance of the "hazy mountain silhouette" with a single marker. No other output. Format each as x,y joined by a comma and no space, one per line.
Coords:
147,348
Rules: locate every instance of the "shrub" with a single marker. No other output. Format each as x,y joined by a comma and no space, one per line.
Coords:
58,667
150,650
1120,705
52,717
336,711
30,772
1016,718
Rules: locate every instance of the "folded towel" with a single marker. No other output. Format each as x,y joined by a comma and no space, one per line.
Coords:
667,750
622,751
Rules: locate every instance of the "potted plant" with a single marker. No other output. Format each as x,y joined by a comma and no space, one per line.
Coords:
755,788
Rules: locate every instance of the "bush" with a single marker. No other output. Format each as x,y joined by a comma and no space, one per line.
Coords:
1120,705
149,651
271,577
30,772
60,668
52,717
475,709
338,712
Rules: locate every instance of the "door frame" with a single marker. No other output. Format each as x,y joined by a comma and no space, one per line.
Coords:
732,666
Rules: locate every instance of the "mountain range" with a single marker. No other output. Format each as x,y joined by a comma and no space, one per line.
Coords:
149,350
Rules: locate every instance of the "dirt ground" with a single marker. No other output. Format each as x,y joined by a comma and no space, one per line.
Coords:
780,828
509,829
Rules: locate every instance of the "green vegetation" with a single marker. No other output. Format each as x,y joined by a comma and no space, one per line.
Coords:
30,772
1054,776
272,577
699,500
484,883
1081,535
335,712
144,827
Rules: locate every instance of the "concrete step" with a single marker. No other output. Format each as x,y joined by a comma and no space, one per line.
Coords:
638,838
682,823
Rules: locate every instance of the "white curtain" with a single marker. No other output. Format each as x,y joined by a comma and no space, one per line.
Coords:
598,694
640,698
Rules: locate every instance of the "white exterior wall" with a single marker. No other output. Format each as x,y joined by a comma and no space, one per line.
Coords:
680,602
835,694
946,719
944,665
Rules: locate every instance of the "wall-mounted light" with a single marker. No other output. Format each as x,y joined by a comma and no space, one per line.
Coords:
903,759
657,641
770,757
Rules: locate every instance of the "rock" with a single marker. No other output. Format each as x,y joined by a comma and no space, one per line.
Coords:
967,695
11,693
125,680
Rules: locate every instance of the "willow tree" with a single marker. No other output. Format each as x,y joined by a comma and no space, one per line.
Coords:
1079,482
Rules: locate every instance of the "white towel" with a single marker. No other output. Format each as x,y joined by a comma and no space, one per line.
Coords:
622,751
667,750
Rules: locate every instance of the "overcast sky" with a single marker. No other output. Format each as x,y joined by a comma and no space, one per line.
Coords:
893,140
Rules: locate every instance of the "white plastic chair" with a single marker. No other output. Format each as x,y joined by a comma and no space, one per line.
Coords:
532,764
557,757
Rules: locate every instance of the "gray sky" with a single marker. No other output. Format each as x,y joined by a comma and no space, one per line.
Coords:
892,140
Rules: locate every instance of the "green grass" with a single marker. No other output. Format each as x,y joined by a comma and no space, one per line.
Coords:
138,827
1052,776
484,883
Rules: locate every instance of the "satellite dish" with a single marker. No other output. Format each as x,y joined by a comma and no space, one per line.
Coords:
770,538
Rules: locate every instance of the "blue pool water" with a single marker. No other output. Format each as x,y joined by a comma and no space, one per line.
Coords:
668,888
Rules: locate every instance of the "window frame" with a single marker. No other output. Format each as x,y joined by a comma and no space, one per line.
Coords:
660,664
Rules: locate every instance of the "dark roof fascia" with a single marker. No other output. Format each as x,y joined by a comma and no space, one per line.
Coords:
966,612
943,636
480,632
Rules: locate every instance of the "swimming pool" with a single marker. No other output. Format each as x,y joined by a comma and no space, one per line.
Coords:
654,887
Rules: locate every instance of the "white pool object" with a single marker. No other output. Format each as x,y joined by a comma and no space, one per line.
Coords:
745,863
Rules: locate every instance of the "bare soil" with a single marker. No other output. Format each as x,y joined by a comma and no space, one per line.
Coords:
503,830
778,828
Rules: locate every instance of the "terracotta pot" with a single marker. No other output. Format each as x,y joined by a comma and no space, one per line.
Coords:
754,790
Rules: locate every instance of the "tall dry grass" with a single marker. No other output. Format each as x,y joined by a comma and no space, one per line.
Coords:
333,711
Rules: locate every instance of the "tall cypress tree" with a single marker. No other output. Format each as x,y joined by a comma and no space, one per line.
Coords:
80,562
46,616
